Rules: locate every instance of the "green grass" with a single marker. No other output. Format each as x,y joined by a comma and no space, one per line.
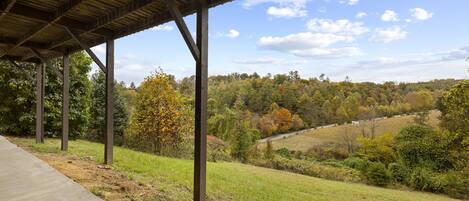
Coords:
305,141
228,181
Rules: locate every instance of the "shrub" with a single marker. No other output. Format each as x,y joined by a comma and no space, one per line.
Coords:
218,152
425,180
399,172
314,169
456,184
422,146
378,148
327,151
333,163
268,152
377,174
356,163
284,152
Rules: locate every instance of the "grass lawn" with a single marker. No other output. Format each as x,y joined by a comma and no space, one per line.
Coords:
226,181
305,141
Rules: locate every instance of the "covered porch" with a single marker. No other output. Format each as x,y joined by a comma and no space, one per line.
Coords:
36,31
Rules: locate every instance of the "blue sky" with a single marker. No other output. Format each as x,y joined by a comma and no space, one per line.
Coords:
367,40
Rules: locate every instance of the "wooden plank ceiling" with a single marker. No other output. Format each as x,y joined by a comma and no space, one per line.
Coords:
41,24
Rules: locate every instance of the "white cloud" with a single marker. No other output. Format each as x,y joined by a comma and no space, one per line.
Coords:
311,45
387,35
328,53
232,33
361,15
322,9
410,68
390,16
352,2
250,3
282,8
163,27
302,41
100,49
349,2
286,12
421,14
341,27
270,61
417,59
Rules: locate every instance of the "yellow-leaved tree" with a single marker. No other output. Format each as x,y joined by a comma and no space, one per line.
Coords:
156,123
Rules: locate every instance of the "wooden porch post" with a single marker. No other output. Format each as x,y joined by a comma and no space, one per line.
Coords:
201,87
109,130
40,103
66,102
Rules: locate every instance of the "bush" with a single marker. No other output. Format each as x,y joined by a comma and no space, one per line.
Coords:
399,172
284,152
377,174
333,163
422,146
356,163
327,151
424,180
313,169
456,184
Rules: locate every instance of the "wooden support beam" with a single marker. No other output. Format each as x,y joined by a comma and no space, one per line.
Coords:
109,135
19,67
108,18
87,49
40,103
61,11
201,96
66,102
6,6
186,34
44,60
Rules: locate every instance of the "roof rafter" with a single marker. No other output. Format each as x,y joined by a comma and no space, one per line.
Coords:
108,18
61,11
43,60
5,7
87,49
45,17
186,34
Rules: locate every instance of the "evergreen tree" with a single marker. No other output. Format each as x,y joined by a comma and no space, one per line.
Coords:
121,115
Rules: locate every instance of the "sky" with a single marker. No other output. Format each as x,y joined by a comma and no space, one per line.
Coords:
366,40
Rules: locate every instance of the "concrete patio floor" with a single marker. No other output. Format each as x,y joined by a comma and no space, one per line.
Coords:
25,177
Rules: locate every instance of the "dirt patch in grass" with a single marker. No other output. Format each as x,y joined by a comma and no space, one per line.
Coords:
99,179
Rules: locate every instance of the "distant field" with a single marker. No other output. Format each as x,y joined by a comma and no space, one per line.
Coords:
227,181
307,140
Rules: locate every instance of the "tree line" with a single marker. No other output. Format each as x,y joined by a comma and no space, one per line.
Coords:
158,115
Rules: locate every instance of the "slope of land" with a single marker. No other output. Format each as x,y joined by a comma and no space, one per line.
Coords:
309,139
171,179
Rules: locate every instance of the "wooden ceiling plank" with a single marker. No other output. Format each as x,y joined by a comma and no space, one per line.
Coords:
57,15
108,18
6,7
45,17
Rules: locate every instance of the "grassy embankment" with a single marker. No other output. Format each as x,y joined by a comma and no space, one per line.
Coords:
307,140
226,181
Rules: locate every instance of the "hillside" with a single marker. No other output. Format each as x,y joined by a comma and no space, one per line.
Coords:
307,140
172,178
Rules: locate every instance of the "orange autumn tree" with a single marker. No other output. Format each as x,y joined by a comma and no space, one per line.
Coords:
283,118
158,116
